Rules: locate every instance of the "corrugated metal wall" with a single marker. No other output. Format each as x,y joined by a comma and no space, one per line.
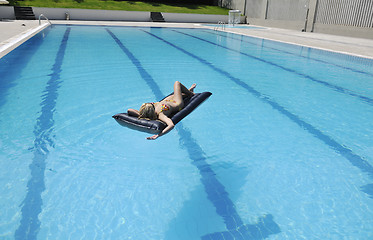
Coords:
254,8
357,13
289,10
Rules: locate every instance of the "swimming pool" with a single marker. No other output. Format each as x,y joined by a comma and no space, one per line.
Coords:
282,149
236,26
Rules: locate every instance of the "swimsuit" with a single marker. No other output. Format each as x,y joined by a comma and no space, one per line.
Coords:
165,107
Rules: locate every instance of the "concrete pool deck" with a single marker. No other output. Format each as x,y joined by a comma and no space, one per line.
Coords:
12,33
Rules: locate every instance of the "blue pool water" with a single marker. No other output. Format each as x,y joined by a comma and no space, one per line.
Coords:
282,149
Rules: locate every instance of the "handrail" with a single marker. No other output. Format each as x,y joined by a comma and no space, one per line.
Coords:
42,15
220,24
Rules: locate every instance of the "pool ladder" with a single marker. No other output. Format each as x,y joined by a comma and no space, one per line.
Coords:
221,25
42,15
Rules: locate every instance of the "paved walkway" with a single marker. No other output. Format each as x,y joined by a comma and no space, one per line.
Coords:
13,33
11,29
14,30
349,45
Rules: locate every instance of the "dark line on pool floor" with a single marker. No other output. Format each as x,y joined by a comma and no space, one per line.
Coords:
353,158
144,74
329,85
216,193
12,63
30,223
290,53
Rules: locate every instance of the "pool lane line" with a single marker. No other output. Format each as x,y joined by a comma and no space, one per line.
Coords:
217,194
215,190
17,55
144,74
329,85
32,204
294,54
353,158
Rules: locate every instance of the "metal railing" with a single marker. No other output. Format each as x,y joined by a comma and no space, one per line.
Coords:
221,25
42,15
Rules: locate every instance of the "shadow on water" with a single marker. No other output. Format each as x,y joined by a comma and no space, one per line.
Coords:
222,203
368,189
215,190
198,214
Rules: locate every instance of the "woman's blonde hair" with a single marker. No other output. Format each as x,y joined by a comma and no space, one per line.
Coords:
147,110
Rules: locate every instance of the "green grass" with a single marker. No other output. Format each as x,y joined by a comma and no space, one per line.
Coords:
126,6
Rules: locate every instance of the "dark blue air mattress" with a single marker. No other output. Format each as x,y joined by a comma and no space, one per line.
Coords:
156,126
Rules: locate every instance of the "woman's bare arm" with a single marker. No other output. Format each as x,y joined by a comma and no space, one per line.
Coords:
170,126
133,112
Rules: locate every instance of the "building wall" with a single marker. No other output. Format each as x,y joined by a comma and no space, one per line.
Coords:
91,14
356,13
343,17
289,10
7,12
255,8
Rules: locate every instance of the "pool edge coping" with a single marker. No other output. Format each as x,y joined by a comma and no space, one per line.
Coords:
17,40
300,44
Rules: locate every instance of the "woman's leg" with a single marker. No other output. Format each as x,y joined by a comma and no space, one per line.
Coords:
179,90
191,89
